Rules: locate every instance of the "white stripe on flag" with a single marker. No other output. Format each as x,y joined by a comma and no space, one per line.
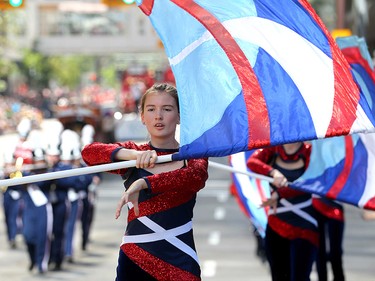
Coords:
315,82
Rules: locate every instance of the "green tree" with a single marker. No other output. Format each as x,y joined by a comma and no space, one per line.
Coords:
40,70
6,67
36,68
67,70
109,76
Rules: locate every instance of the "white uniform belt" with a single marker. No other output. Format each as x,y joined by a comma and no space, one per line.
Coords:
297,209
161,233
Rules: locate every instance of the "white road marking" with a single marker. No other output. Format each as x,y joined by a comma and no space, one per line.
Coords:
214,238
219,213
209,268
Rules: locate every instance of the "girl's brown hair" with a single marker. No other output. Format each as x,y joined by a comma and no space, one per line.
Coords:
161,88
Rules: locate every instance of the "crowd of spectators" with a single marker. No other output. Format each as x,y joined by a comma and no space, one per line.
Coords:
35,105
13,110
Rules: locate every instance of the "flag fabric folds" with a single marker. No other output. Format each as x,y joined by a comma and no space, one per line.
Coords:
246,69
250,192
343,168
356,53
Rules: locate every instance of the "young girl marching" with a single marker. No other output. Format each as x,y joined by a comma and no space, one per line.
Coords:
158,243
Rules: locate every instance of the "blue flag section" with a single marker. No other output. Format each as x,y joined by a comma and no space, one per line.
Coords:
356,53
343,168
253,73
250,192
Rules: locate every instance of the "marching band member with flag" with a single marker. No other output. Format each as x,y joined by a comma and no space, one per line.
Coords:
291,239
158,243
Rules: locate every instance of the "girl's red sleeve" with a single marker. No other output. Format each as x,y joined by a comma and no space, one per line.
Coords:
259,161
98,153
189,179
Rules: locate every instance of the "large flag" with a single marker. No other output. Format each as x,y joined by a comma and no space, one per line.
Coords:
356,53
253,73
250,192
343,168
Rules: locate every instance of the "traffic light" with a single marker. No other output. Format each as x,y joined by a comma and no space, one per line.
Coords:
11,4
117,3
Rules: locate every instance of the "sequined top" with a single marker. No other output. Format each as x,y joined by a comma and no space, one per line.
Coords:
295,217
160,240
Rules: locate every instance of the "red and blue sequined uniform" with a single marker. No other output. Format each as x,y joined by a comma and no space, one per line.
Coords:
159,243
291,231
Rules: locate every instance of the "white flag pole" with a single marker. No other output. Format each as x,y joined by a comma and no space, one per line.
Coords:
77,172
231,169
110,167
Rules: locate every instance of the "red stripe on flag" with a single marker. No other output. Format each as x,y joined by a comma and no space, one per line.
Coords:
346,90
259,126
353,56
343,177
147,6
370,205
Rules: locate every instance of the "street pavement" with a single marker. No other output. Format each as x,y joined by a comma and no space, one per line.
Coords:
224,241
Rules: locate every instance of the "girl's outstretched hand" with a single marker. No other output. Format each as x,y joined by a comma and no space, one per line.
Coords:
271,202
131,195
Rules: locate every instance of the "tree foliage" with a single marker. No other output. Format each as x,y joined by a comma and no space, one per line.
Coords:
66,71
36,68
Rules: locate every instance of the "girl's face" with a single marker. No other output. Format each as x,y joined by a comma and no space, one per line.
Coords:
160,115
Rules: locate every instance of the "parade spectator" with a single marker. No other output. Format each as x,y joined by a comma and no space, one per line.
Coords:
13,111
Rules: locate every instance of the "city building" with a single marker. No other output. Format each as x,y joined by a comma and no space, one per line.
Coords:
84,27
103,27
114,28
